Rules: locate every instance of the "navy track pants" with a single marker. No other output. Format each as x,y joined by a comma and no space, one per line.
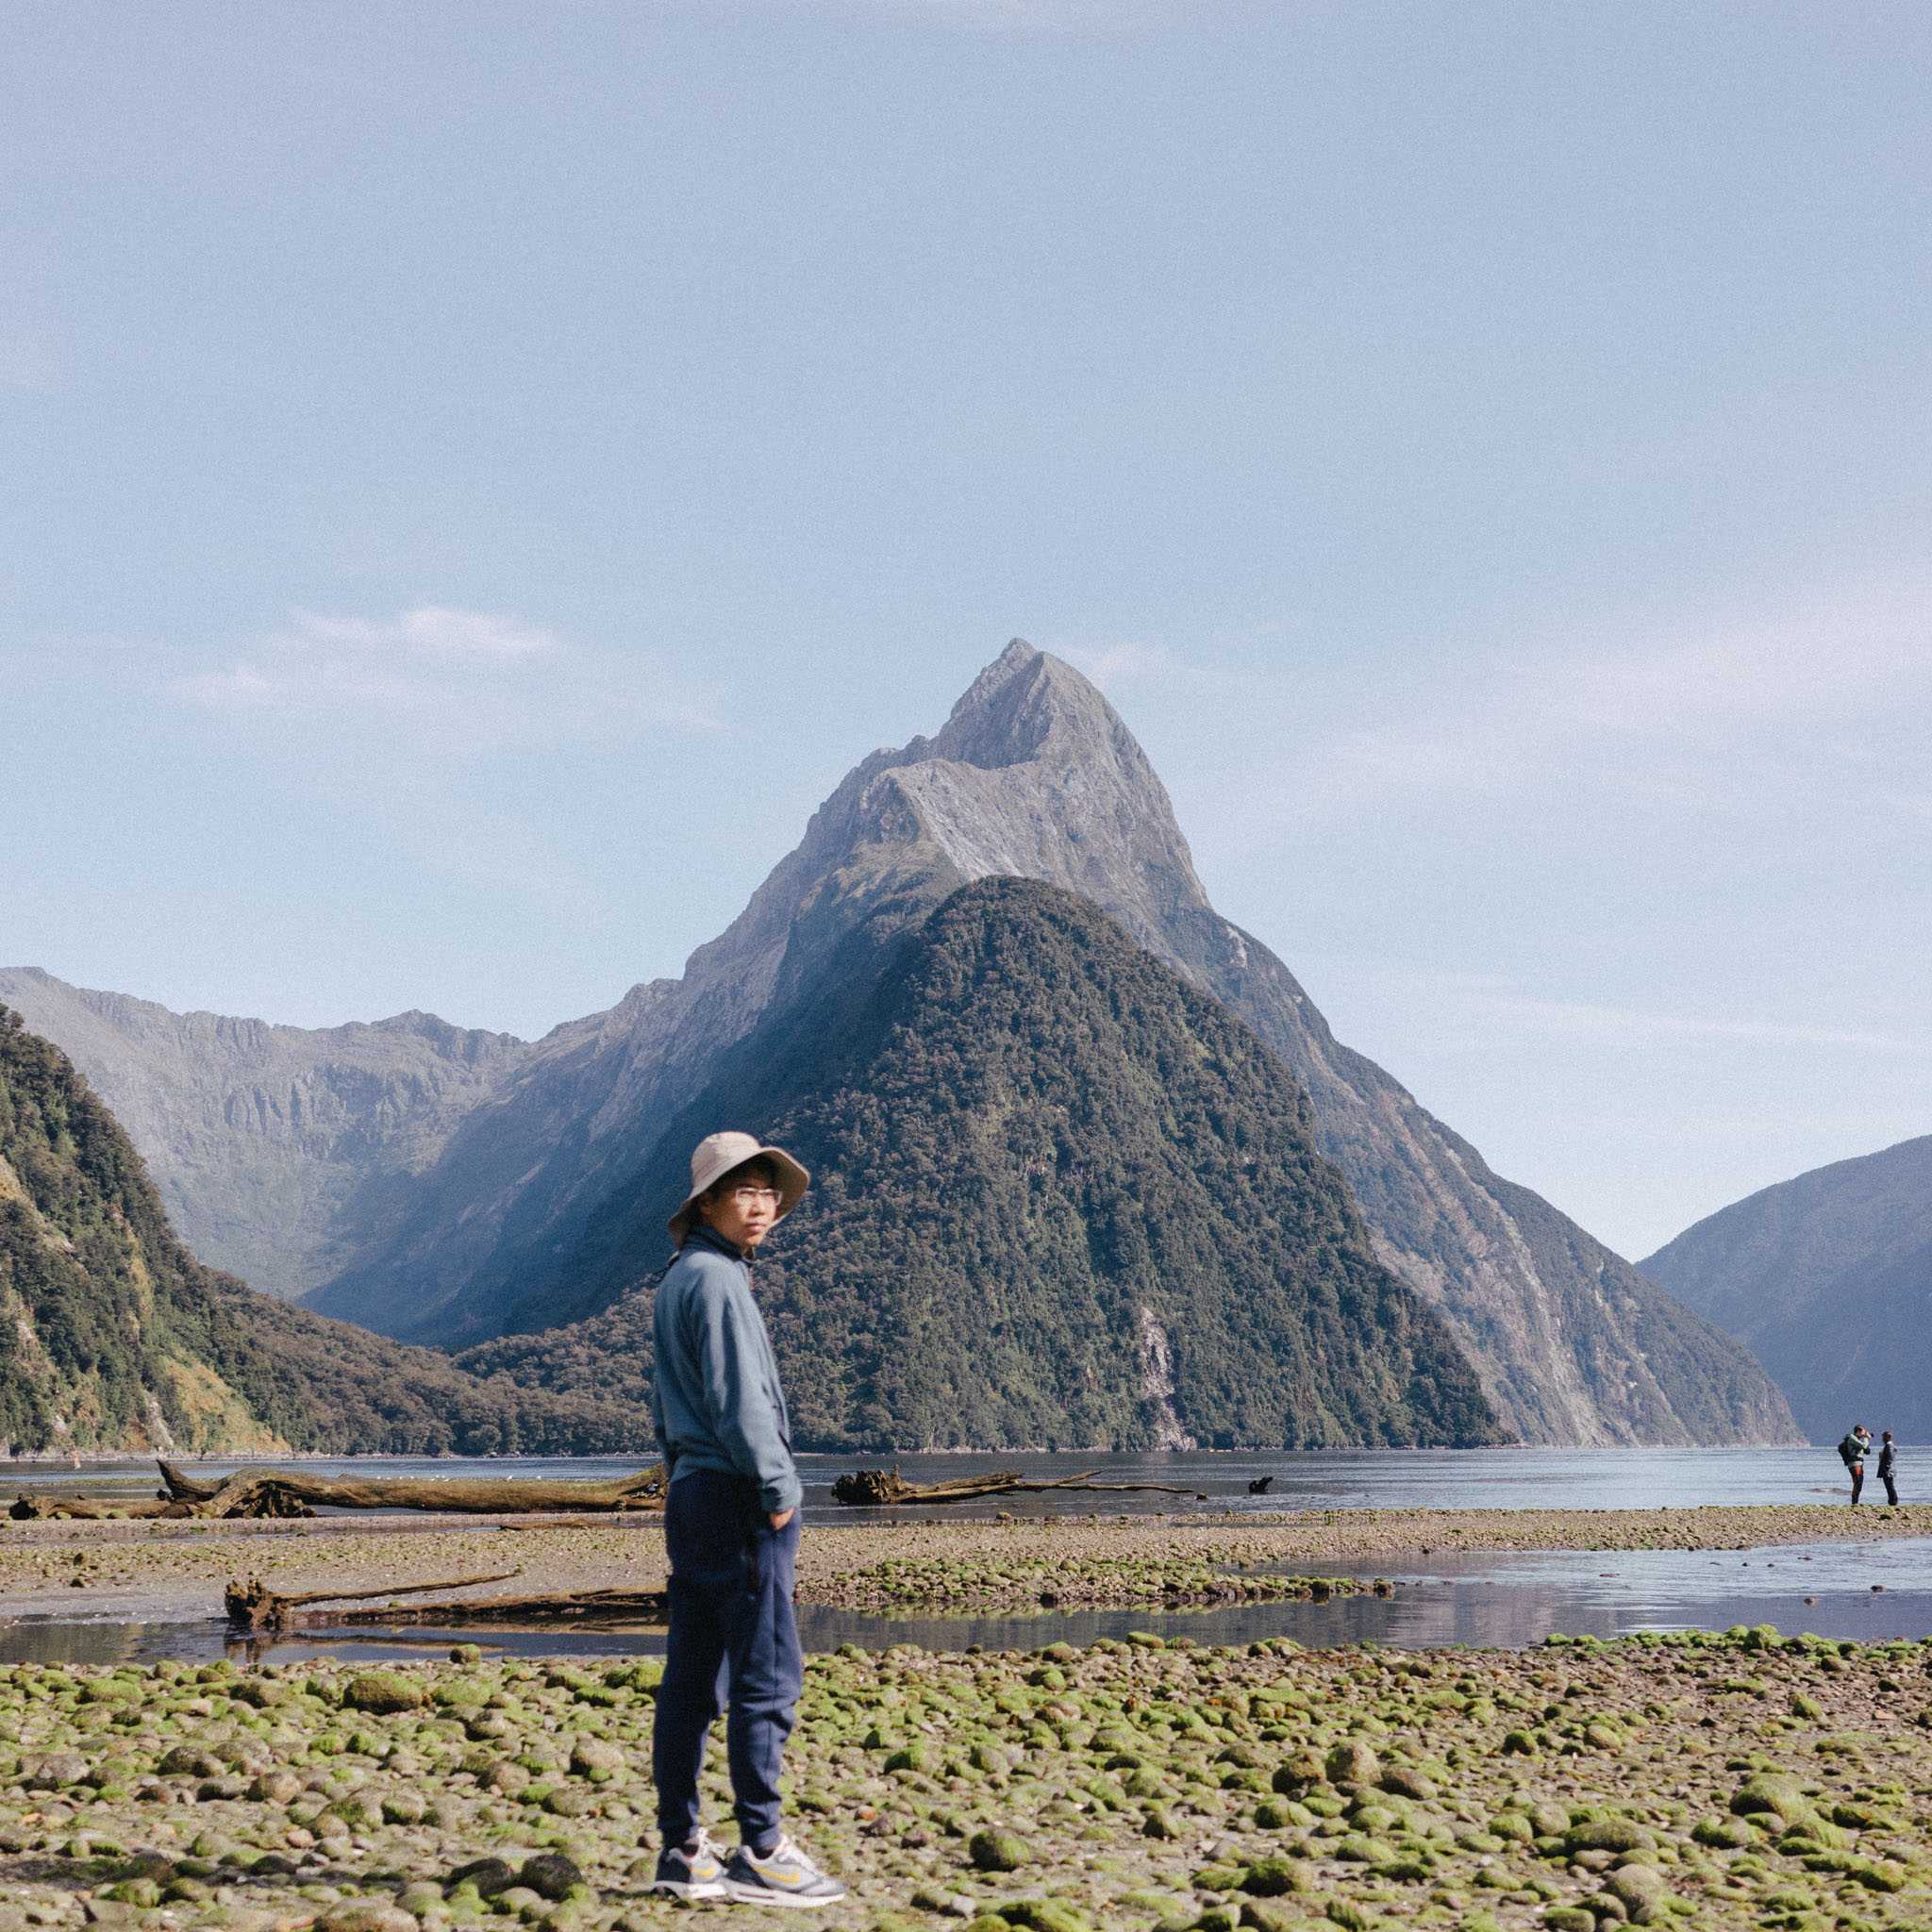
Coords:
733,1648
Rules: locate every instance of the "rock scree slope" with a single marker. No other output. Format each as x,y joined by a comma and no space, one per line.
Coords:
1061,1199
1827,1278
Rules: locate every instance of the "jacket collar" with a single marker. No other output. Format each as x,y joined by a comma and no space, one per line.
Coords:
705,1236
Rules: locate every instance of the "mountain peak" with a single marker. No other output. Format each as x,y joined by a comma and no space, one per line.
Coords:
1024,702
1033,775
1019,656
448,1195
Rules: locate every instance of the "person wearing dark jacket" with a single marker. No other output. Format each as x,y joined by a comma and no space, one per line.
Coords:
1888,1464
1852,1453
731,1529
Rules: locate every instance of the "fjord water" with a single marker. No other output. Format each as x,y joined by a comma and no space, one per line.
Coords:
1515,1478
1867,1592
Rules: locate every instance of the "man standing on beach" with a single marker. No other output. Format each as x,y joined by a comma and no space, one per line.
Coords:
1887,1463
731,1527
1851,1452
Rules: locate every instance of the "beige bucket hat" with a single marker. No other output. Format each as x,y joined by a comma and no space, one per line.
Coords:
716,1155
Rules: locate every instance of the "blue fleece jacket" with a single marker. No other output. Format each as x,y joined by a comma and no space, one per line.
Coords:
717,1403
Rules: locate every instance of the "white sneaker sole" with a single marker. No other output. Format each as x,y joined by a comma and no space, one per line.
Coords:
770,1895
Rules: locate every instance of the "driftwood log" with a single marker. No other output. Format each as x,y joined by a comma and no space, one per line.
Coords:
252,1605
31,1509
862,1487
287,1493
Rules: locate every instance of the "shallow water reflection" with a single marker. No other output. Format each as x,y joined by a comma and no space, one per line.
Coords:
1870,1593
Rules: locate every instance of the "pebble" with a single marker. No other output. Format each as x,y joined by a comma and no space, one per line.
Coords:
1141,1782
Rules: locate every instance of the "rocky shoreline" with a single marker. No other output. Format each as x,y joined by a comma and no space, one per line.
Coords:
1742,1780
1745,1780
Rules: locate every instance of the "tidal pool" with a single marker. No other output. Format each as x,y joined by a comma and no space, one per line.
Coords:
1866,1591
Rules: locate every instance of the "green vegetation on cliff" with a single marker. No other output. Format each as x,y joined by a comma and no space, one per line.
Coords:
113,1337
1060,1199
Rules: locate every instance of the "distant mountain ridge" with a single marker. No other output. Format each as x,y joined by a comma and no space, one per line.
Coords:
113,1338
1828,1278
1034,776
1061,1199
277,1150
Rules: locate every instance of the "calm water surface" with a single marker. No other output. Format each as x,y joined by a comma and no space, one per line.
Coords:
1867,1591
1318,1479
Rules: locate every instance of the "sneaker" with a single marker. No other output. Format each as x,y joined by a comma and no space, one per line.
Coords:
698,1873
785,1876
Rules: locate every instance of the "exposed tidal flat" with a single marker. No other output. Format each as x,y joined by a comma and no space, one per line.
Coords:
158,1570
106,1591
1710,1780
1179,1763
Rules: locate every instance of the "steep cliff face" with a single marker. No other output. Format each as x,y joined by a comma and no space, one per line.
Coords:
280,1152
113,1338
1827,1278
1061,1199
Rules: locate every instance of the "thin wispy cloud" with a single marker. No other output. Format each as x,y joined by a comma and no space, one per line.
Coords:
1111,19
451,682
1679,717
1596,1020
1128,661
29,365
1147,671
430,628
1485,1007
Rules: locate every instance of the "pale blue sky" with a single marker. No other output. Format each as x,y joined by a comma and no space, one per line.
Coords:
476,476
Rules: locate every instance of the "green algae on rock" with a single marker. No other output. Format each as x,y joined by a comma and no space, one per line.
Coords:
1124,1785
936,1583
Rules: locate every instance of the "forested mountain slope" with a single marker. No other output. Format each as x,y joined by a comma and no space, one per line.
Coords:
1828,1278
1036,777
1061,1199
114,1338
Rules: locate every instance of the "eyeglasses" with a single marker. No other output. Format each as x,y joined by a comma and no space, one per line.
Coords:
757,1197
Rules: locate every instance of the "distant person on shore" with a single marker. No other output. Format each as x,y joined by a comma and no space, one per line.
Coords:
1888,1464
731,1529
1852,1453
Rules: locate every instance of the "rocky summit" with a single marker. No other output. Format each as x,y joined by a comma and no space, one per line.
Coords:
1825,1277
1033,775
